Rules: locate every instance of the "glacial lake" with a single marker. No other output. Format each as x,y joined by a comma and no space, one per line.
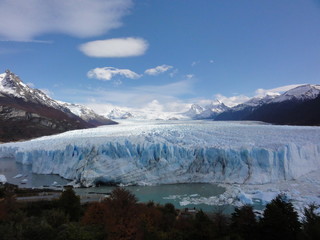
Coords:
180,195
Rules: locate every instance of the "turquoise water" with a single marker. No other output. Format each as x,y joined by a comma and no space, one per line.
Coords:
10,168
180,195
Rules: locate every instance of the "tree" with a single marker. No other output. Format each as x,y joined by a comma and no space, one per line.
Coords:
221,224
69,202
95,214
74,231
311,223
244,223
202,226
280,220
35,229
55,217
168,216
122,215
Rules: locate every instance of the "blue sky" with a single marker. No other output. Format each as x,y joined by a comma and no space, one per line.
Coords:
101,52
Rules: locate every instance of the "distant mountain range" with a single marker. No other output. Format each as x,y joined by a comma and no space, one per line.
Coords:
27,113
298,106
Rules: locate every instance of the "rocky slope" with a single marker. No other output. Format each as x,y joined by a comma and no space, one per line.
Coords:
28,113
87,114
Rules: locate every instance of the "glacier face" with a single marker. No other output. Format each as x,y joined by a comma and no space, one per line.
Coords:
156,152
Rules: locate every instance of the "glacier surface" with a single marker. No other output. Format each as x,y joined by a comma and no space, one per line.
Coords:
163,152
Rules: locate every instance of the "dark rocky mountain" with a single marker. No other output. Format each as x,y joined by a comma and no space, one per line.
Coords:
298,106
28,113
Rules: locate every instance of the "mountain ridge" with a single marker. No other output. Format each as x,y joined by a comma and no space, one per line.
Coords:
28,113
297,106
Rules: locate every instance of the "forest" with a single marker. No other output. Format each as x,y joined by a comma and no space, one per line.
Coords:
122,217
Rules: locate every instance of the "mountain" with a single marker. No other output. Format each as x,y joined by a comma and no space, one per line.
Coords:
298,106
209,111
118,113
194,110
28,113
87,114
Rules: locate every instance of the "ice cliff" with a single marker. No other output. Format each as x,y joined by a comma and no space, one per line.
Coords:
174,152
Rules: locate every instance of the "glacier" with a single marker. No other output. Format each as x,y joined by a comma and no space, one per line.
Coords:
165,152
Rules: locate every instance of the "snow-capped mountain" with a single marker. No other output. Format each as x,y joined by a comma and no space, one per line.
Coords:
26,112
300,93
297,106
207,112
254,102
194,110
12,86
118,113
86,114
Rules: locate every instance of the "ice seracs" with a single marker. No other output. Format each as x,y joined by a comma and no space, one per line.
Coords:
174,152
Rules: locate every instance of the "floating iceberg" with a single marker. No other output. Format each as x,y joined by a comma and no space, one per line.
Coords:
163,152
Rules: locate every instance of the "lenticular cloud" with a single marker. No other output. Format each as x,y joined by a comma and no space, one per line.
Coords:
116,47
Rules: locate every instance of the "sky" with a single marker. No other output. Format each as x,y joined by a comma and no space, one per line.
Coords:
168,53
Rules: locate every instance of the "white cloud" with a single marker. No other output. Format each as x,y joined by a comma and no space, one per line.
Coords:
115,47
211,61
27,19
189,76
107,73
157,70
